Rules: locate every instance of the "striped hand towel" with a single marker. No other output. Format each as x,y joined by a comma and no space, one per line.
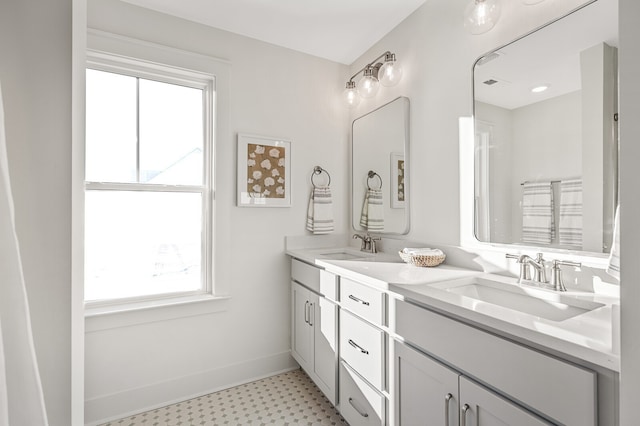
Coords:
320,212
613,268
372,217
570,226
538,226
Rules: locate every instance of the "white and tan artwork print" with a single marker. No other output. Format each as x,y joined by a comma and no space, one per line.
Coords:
400,180
266,171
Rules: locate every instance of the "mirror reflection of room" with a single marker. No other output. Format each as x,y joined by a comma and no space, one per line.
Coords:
380,142
546,138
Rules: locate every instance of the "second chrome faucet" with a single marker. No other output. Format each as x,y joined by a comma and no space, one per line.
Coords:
539,270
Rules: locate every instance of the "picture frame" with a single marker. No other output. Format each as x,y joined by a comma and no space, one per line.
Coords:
264,171
397,181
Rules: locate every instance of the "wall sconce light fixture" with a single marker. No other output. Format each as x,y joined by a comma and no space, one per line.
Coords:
373,75
481,15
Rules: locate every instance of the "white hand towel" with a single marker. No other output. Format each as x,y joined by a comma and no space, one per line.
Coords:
614,257
423,251
538,225
320,212
570,226
372,217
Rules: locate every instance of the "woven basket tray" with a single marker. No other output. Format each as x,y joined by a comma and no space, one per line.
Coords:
421,259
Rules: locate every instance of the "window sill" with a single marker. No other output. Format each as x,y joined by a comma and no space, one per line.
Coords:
126,315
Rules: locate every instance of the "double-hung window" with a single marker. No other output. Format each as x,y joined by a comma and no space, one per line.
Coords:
148,188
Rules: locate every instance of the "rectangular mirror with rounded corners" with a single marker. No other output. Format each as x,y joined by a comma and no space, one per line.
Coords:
546,144
380,169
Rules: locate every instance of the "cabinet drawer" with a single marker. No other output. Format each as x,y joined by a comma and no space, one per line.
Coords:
362,347
306,274
559,389
364,301
360,404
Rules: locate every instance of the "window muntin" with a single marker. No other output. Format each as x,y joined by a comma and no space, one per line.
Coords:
147,215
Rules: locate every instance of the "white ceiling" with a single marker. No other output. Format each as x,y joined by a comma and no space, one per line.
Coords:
550,56
338,30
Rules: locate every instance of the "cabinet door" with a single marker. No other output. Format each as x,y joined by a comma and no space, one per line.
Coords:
324,315
481,407
302,326
426,392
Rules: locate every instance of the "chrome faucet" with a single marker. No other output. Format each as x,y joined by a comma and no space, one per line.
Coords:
539,272
368,243
363,245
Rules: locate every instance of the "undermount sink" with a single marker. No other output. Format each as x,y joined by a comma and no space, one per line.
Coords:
533,301
343,254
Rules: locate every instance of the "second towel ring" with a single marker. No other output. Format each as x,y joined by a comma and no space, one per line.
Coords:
370,176
316,171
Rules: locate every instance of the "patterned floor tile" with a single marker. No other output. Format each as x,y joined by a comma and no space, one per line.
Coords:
286,399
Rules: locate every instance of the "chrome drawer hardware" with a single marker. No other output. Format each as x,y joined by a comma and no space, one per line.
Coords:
356,408
355,345
447,399
352,297
463,414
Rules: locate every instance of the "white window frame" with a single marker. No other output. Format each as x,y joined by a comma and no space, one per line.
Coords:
108,62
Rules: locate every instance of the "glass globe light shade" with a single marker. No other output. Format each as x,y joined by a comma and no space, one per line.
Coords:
368,85
390,72
481,15
350,95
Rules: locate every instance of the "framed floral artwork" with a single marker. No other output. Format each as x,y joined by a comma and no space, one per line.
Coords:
397,180
264,171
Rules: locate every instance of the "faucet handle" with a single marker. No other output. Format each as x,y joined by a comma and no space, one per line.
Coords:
521,259
556,273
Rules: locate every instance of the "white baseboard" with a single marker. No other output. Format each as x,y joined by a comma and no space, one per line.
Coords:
137,400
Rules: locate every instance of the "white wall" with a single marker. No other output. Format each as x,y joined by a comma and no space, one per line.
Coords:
273,92
36,75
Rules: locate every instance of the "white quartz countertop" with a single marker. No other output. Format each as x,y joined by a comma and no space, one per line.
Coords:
587,337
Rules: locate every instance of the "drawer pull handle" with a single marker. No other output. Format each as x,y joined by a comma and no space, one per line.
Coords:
306,312
312,312
356,408
447,399
352,297
463,420
360,348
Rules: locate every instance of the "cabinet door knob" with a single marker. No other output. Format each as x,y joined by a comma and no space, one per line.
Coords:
360,348
447,399
363,414
352,297
463,416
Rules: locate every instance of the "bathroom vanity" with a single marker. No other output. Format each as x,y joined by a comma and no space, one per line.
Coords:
394,344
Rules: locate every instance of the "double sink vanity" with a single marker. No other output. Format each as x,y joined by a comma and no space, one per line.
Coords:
389,343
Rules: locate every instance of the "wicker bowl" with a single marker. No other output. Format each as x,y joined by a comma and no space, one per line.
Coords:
422,259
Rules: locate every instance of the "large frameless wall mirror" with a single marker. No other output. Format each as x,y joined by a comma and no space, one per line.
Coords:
380,169
546,145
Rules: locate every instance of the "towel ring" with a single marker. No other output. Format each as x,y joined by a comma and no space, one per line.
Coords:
370,176
317,170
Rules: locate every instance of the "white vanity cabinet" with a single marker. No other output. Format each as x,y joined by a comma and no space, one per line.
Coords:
314,326
529,385
428,392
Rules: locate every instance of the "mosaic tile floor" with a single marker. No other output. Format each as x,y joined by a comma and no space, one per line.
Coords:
286,399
